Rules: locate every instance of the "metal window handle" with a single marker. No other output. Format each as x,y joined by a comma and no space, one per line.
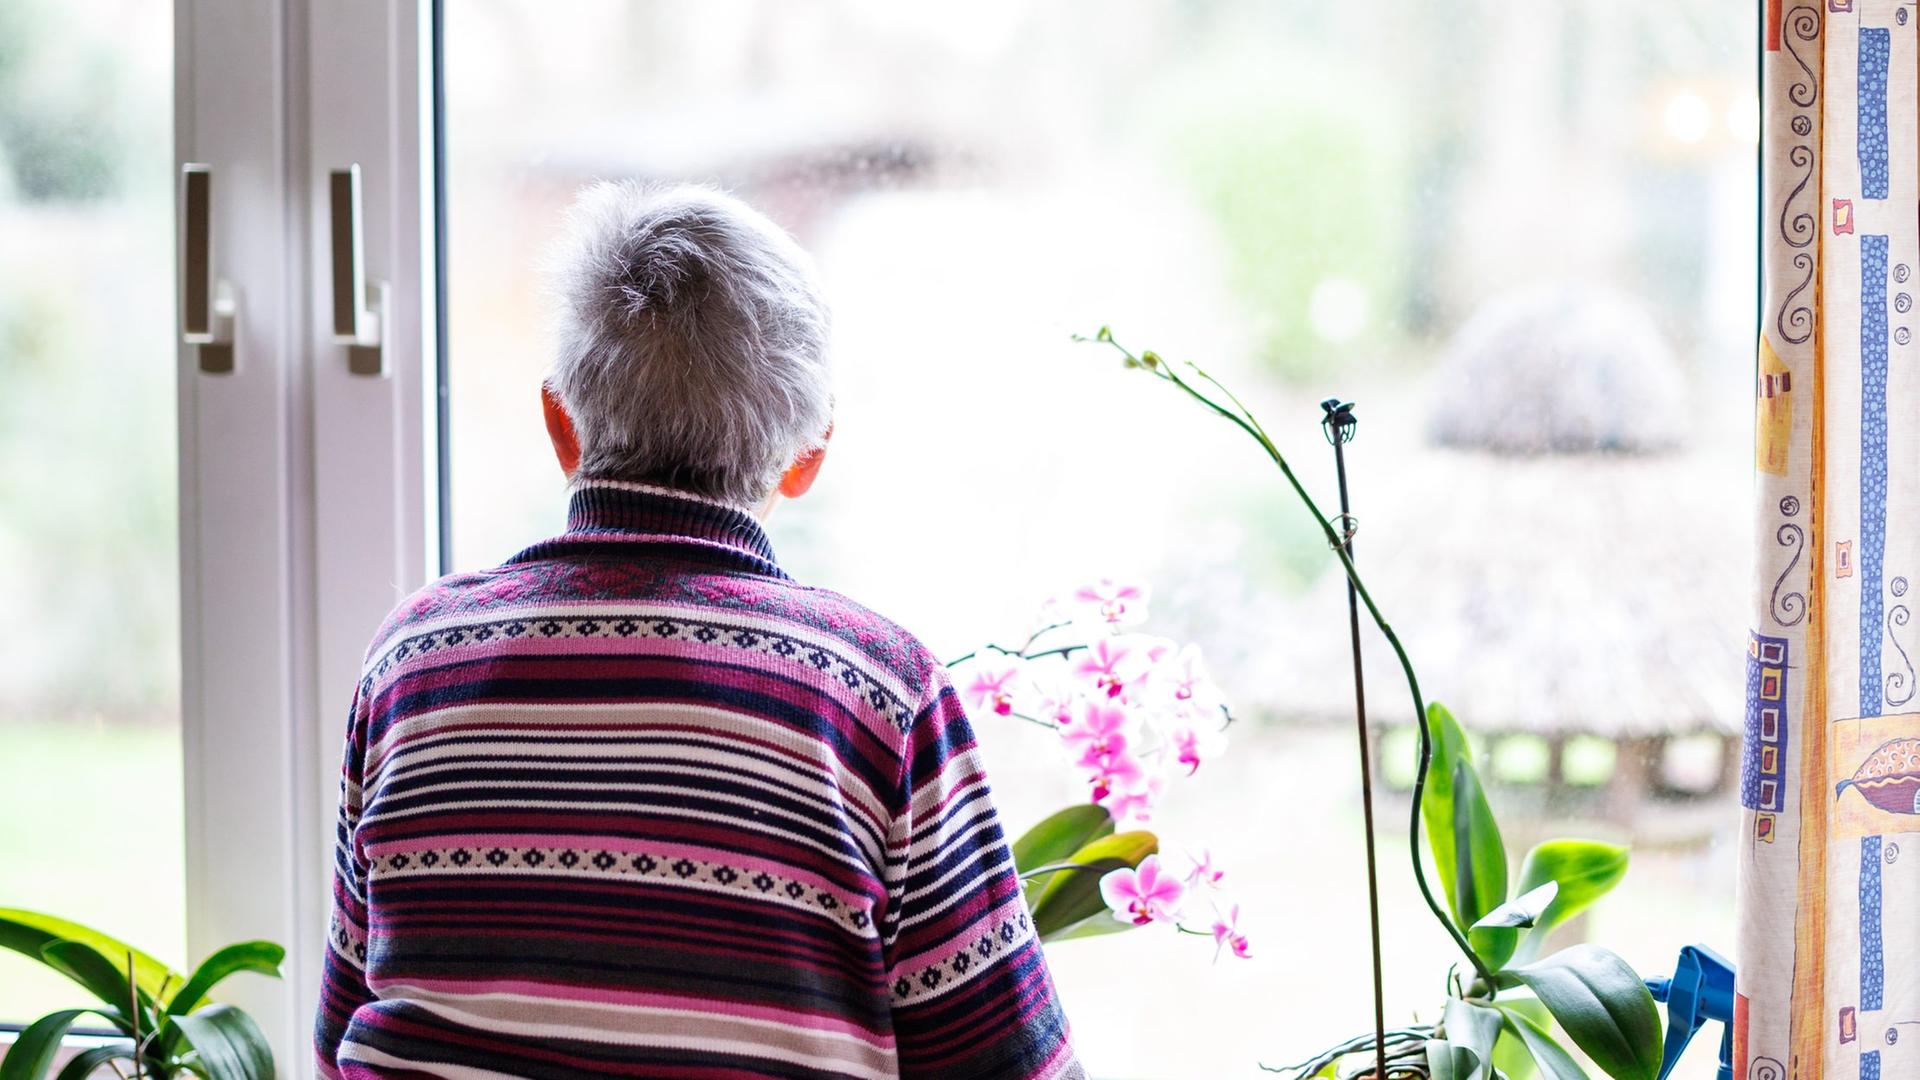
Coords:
209,309
359,309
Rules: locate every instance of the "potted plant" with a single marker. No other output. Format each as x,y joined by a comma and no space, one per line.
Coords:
168,1024
1504,999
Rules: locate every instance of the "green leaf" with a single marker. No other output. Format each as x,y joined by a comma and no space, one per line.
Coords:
1520,912
35,1048
1474,871
260,956
1552,1058
1510,1055
1497,933
231,1045
1071,897
1096,926
1448,1060
1482,859
102,978
86,1061
1603,1006
1585,870
1511,1058
1060,835
1474,1027
26,932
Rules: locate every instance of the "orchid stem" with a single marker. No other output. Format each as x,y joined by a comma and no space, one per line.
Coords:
1018,654
1245,421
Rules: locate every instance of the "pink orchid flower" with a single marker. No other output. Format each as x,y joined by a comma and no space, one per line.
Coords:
1183,685
1107,665
1195,744
1144,895
1135,802
1113,771
1203,872
993,687
1096,731
1061,708
1117,665
1227,935
1114,602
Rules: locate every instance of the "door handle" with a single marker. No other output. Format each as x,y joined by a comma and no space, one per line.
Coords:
359,309
209,312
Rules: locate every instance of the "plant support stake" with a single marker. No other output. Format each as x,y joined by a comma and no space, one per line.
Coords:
1340,425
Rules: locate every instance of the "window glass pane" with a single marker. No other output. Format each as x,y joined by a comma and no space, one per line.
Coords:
1519,237
90,806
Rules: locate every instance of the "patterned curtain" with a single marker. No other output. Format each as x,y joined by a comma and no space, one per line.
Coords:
1829,950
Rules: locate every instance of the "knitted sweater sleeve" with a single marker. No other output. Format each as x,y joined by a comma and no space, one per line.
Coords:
343,987
970,989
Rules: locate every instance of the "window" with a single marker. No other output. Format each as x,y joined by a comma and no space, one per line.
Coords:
91,808
1519,239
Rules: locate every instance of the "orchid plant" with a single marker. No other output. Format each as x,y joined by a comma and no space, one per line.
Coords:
166,1024
1133,713
1504,999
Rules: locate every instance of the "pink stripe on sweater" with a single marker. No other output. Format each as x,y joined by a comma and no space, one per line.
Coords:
646,1000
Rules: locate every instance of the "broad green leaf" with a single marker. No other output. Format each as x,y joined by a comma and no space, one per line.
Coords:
259,956
1448,1060
1474,1027
1057,837
1436,805
1511,1058
231,1045
1073,896
33,1051
1510,1055
102,978
85,1062
1095,926
26,931
1585,870
1520,912
1552,1059
1497,933
1603,1006
1481,857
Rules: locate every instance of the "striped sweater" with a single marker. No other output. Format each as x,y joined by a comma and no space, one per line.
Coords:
637,804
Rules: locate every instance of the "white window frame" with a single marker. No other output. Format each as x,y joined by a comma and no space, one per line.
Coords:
307,494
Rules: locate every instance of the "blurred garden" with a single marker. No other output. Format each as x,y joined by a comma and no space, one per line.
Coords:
90,807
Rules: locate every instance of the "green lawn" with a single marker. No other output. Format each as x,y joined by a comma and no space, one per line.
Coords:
90,829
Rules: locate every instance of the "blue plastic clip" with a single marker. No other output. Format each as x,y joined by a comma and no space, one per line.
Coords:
1700,990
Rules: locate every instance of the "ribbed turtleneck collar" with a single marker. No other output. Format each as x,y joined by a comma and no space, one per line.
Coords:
603,513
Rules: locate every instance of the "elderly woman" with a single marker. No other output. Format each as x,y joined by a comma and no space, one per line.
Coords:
637,803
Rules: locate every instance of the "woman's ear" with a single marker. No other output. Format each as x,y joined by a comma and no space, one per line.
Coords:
805,469
566,444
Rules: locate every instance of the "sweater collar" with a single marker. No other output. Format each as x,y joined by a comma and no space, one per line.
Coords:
609,517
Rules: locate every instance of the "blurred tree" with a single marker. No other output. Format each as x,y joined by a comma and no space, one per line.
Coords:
87,467
1309,192
62,109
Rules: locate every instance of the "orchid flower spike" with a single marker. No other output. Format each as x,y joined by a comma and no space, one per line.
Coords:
995,685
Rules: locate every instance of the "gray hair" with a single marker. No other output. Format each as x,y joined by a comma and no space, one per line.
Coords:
692,341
